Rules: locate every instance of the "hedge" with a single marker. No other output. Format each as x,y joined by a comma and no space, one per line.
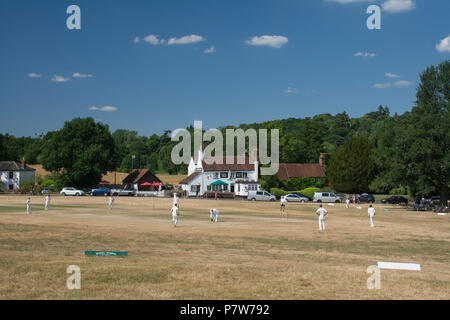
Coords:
307,192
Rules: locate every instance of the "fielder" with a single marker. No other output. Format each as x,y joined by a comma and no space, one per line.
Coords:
111,201
47,202
176,200
28,206
371,212
321,212
214,214
174,215
282,204
347,203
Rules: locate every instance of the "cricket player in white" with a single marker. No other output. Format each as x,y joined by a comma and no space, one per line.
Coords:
214,214
174,215
347,202
47,202
111,201
175,200
371,212
28,206
282,203
321,212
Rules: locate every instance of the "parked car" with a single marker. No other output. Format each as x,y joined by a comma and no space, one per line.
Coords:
326,197
395,200
99,192
434,201
302,195
292,197
366,198
44,191
69,191
122,192
260,196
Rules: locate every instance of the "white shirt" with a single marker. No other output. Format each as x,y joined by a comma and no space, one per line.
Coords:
28,202
283,201
47,199
321,212
174,211
111,199
371,211
175,199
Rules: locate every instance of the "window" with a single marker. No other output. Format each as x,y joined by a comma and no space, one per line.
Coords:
325,194
238,174
11,187
260,193
11,175
216,175
224,174
244,174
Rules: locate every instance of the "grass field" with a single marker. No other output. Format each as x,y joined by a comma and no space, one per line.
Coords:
253,252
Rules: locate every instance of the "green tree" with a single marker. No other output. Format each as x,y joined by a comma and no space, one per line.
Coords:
82,150
423,149
351,167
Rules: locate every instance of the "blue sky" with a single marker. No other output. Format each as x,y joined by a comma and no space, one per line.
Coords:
145,65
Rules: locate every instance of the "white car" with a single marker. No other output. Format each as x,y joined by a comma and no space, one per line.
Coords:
71,192
260,196
326,197
292,197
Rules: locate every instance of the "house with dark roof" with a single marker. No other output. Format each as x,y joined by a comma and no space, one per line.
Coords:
13,174
140,176
227,174
288,171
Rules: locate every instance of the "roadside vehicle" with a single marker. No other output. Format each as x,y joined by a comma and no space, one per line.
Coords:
99,192
122,192
302,195
260,196
395,200
326,197
44,191
69,191
366,198
434,200
295,198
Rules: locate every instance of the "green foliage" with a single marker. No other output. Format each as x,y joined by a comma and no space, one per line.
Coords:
269,182
310,191
352,167
401,190
278,192
83,149
27,186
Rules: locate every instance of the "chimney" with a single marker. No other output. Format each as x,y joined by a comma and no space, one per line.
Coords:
322,160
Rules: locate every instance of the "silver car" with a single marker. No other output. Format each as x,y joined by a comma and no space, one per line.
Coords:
326,197
295,198
71,192
260,196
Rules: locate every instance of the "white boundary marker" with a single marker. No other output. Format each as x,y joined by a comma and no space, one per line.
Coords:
441,214
399,266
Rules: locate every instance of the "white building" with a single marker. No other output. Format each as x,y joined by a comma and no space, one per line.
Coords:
209,175
13,174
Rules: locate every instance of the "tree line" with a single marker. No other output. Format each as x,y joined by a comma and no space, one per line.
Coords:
377,152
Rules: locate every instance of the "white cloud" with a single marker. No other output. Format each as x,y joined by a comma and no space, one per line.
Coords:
152,39
193,38
401,83
444,45
391,75
81,75
211,49
265,40
34,75
105,108
292,90
57,78
365,54
394,6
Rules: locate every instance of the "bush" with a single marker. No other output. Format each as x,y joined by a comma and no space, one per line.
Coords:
401,190
278,192
310,191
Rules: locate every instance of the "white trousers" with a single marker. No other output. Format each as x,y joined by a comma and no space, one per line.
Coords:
346,204
371,221
216,217
174,220
28,209
321,223
110,206
47,206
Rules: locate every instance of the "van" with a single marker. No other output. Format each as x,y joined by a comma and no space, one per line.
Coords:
260,196
326,197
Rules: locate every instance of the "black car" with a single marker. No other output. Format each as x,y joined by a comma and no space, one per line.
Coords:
366,198
302,195
395,200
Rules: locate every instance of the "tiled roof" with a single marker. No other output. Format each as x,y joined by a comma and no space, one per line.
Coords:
14,166
300,170
140,176
234,166
188,179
